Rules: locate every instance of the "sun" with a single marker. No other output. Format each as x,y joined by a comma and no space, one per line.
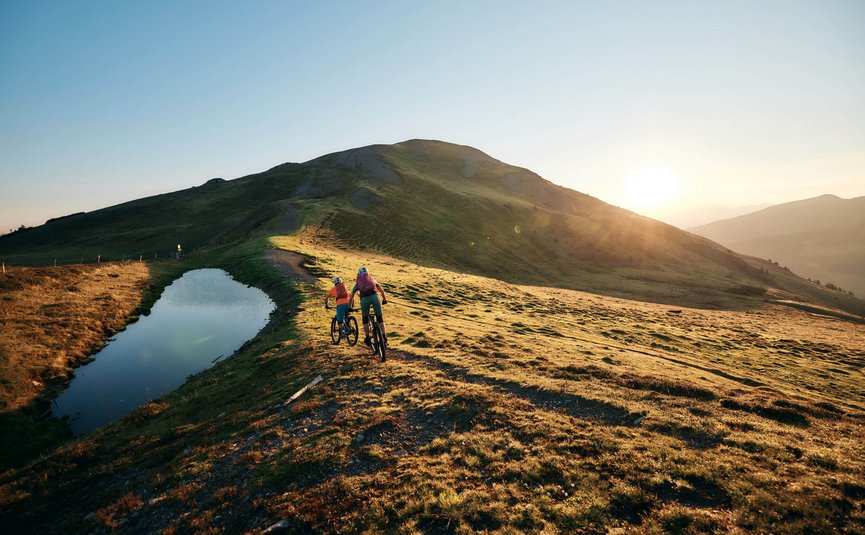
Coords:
650,186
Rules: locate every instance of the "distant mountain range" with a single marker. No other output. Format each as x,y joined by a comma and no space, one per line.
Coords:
821,238
436,204
707,213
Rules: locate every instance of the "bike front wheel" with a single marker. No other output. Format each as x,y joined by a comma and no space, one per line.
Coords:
335,335
352,333
378,341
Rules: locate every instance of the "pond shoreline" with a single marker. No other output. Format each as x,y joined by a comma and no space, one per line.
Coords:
29,438
57,319
155,286
202,316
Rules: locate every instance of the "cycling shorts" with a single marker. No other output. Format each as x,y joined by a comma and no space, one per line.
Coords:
371,301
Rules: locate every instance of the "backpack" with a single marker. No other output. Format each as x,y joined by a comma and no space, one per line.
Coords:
365,284
341,292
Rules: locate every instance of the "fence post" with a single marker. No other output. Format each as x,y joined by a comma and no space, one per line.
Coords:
4,268
98,258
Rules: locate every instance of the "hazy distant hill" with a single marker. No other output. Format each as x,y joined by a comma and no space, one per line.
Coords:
821,238
707,213
437,204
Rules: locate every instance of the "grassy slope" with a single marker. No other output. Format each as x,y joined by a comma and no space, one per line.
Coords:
437,204
209,215
440,212
502,407
458,208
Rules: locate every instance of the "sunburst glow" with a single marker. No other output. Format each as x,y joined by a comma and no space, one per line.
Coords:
650,186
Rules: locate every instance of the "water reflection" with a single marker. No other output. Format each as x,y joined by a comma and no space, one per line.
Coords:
203,315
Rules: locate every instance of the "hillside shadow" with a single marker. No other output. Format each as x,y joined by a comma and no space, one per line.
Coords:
551,400
24,435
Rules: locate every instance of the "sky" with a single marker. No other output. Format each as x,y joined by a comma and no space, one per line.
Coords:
679,110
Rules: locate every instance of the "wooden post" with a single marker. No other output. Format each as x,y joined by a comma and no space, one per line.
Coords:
140,257
300,392
4,268
98,258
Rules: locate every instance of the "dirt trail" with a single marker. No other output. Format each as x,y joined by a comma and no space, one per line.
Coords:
290,264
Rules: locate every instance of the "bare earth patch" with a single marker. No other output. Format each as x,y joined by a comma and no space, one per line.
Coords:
290,264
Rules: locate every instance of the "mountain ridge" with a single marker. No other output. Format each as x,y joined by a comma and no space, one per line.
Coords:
438,204
821,237
825,206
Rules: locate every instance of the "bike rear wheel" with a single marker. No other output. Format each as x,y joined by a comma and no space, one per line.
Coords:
352,333
335,335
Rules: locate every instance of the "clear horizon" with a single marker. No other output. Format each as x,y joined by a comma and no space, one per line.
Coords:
662,109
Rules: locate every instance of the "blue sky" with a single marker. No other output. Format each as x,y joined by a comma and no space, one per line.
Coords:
735,103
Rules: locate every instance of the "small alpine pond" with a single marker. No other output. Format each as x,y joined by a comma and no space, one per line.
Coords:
200,317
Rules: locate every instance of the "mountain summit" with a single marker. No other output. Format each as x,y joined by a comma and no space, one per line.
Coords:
437,204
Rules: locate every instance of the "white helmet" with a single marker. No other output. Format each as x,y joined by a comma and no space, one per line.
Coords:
337,280
362,271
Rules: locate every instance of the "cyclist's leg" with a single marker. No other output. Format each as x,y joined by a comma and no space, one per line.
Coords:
365,303
340,315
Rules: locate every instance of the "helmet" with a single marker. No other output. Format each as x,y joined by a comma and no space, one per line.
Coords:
362,271
337,280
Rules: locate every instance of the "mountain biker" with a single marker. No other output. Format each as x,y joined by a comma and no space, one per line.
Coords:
369,290
340,295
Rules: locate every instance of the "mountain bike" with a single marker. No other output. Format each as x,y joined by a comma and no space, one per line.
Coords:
347,330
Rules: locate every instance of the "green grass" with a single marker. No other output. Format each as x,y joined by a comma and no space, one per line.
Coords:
197,218
516,414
